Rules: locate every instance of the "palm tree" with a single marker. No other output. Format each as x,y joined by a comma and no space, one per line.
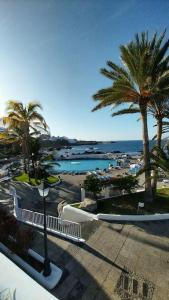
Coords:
34,152
144,77
12,137
27,121
160,111
161,159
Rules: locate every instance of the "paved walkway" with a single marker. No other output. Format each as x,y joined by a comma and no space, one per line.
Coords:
97,269
30,199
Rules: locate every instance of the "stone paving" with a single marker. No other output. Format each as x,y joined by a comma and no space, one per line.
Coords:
118,261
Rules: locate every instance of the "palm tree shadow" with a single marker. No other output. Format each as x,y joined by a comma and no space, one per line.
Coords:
96,253
154,228
158,228
76,281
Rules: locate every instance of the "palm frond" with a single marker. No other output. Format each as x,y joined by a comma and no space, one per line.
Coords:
13,105
126,111
33,106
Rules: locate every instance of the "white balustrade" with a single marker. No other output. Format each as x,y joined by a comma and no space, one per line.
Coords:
65,228
54,224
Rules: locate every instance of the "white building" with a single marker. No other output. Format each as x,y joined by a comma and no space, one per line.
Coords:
61,138
17,284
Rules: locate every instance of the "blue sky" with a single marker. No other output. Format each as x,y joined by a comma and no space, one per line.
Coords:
51,51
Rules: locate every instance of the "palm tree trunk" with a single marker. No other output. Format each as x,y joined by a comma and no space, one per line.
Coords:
158,144
36,179
25,167
24,157
27,148
33,166
148,189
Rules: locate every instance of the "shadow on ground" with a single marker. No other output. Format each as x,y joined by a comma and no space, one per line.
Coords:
76,282
155,228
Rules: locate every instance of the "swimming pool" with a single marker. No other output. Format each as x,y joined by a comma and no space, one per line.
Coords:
83,165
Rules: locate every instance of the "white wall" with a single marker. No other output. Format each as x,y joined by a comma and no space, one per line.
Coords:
19,282
76,215
133,218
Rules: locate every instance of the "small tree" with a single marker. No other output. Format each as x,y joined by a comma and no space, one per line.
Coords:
93,184
126,183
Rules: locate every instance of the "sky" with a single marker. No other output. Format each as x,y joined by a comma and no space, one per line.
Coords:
51,51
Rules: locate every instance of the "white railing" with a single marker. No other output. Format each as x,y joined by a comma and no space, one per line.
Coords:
65,228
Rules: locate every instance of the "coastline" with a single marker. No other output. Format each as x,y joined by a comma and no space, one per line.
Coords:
94,155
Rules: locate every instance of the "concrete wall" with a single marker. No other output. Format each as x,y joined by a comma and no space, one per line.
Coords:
76,215
131,218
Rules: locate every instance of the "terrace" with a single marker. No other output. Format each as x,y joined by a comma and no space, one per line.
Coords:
94,270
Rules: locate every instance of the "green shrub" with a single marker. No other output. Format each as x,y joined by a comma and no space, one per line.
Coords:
93,184
127,183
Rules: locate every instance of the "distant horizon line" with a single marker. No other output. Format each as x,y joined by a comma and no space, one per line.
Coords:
111,140
96,140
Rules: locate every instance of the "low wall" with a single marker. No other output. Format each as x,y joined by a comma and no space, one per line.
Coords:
16,284
77,215
110,217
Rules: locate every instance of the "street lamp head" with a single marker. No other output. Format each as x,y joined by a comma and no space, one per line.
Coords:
43,189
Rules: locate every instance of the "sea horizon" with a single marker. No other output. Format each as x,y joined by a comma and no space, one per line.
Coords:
125,146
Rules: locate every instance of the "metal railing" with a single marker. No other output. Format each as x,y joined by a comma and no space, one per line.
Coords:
56,225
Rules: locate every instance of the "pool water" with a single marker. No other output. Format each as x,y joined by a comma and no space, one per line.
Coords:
83,165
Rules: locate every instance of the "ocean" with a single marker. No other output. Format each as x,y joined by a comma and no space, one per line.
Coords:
130,147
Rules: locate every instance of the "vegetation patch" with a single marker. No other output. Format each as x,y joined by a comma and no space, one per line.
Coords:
121,205
76,205
128,204
18,238
25,178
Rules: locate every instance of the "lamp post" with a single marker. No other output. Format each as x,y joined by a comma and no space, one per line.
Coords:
43,191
